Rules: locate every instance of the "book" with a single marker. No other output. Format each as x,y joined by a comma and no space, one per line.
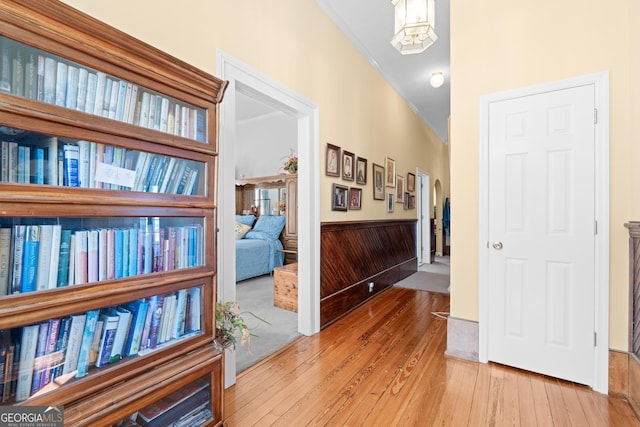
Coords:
124,324
37,166
44,256
5,65
109,327
76,332
30,259
84,149
83,81
139,315
170,408
49,92
195,308
156,319
39,364
71,97
133,252
28,344
61,347
165,321
5,260
98,101
54,263
40,78
118,244
8,372
13,162
111,247
51,358
19,232
61,84
17,72
102,254
63,262
144,339
107,97
86,343
95,344
50,145
31,75
90,100
71,165
180,316
80,258
92,256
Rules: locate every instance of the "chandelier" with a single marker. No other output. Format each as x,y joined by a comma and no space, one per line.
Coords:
414,31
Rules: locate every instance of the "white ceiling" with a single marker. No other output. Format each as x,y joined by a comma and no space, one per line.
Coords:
368,24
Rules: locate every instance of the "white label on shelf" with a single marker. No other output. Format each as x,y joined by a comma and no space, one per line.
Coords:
115,175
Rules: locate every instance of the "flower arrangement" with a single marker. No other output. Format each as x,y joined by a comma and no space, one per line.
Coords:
291,162
230,323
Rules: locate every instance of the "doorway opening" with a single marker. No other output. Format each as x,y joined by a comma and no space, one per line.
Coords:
243,80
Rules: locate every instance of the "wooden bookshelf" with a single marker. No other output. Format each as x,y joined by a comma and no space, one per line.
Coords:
108,190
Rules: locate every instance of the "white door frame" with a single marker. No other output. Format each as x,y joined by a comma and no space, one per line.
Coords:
600,81
424,217
307,114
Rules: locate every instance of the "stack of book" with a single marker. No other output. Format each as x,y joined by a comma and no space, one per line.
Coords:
33,356
40,159
39,257
34,74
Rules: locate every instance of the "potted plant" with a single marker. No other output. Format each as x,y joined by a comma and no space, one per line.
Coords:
230,324
291,162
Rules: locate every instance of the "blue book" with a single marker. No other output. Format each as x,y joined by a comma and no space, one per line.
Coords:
61,346
71,162
133,252
30,259
37,169
125,252
118,253
139,310
87,341
192,240
201,125
110,325
41,350
144,340
63,263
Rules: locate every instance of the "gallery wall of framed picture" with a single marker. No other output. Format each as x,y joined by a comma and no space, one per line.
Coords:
388,185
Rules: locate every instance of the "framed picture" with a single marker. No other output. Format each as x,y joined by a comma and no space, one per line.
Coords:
348,163
355,198
389,202
412,201
333,160
361,171
411,182
378,182
406,200
390,172
400,189
339,197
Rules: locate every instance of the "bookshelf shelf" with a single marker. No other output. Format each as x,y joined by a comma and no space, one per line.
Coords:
108,156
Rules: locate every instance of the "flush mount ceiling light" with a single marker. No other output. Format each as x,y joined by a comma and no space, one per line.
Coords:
414,31
437,79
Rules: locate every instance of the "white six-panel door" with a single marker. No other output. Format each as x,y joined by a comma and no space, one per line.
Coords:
541,214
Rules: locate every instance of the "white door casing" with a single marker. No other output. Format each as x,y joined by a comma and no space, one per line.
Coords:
307,114
540,293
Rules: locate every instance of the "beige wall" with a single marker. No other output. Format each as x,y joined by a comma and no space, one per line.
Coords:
499,45
294,43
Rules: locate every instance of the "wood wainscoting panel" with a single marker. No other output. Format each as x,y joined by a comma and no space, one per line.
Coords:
355,254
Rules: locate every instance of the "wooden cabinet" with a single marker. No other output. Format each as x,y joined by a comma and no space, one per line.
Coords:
108,155
282,192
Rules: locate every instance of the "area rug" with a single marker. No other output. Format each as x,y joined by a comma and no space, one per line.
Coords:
425,281
256,296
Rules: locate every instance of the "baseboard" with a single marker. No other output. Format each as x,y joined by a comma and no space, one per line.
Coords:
462,338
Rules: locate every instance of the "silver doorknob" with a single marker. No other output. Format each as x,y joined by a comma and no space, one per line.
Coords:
497,245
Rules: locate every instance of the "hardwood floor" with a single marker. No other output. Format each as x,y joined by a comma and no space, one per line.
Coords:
384,365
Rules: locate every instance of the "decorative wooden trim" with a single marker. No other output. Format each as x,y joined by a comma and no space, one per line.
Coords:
359,254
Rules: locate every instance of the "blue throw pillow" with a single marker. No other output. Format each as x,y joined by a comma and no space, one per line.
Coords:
246,219
270,224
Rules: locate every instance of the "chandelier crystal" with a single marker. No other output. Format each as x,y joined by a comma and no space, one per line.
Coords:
414,29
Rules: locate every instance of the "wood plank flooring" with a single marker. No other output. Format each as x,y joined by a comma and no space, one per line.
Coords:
384,365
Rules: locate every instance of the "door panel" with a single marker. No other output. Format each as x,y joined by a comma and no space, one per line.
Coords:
541,229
